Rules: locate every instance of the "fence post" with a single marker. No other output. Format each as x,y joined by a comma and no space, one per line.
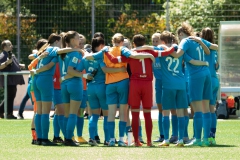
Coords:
93,16
18,29
167,16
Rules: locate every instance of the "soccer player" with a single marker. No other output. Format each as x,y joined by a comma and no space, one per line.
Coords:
208,34
199,82
43,90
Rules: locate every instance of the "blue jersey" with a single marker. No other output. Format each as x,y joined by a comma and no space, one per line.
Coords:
157,65
172,75
195,51
72,59
124,51
212,60
91,66
48,59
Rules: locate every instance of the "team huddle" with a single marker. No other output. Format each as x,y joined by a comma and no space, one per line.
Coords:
73,75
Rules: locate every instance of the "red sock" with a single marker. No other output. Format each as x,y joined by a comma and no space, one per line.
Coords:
34,135
135,124
148,125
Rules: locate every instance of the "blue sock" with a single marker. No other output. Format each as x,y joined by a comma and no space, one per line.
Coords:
198,123
166,126
56,127
213,125
140,131
65,121
45,125
206,124
60,123
105,129
160,126
127,129
186,118
174,125
38,126
181,127
111,129
122,127
93,125
96,132
72,120
80,124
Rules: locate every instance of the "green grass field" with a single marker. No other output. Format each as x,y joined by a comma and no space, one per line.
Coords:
15,143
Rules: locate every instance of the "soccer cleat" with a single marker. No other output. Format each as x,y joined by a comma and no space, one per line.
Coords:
180,143
186,140
70,142
34,142
149,144
137,144
140,139
105,143
10,116
164,144
92,142
97,139
39,141
47,142
212,141
20,116
173,139
111,144
57,140
194,143
121,144
82,140
160,139
205,143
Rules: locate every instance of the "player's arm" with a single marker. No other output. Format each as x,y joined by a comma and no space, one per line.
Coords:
67,50
199,63
42,69
198,40
214,46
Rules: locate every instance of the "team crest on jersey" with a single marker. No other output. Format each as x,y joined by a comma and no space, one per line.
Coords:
75,60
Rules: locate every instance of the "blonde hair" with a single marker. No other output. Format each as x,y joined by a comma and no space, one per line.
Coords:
156,35
117,38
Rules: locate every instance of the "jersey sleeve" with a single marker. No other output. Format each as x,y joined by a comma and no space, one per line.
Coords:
98,55
187,58
184,45
53,52
208,44
125,52
74,61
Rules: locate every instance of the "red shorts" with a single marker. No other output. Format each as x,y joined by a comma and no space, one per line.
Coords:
140,91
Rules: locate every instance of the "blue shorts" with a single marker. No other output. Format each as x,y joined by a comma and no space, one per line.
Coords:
117,92
200,88
215,87
84,99
97,96
158,91
43,88
57,97
72,90
174,99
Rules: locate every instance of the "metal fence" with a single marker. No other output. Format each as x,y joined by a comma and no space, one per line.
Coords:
40,18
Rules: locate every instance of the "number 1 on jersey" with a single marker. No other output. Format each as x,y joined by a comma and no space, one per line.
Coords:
143,66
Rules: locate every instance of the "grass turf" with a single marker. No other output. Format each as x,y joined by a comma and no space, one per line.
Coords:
15,143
